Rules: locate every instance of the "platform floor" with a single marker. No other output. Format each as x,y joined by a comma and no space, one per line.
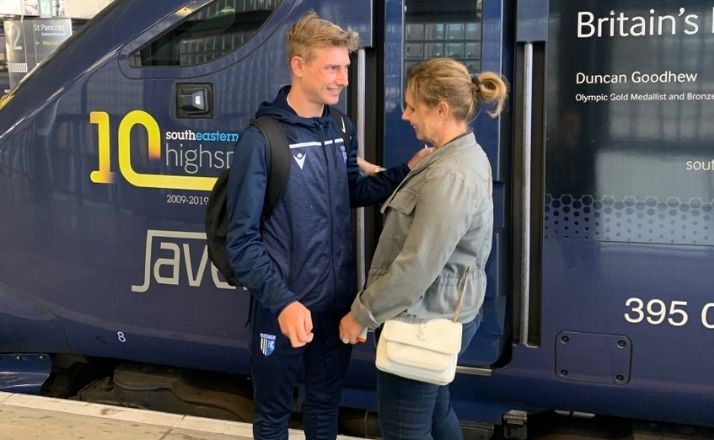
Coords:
25,417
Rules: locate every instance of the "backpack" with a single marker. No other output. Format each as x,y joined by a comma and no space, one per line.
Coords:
278,158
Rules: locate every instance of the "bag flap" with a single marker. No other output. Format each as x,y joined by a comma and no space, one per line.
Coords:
418,357
439,371
439,335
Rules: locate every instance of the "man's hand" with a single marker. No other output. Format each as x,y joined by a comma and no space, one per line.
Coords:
351,331
296,323
418,157
368,168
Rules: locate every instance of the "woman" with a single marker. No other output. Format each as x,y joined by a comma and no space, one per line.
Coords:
437,233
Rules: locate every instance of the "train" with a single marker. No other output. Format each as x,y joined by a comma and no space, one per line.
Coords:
599,297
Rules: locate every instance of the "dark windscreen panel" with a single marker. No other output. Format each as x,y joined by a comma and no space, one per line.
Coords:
212,32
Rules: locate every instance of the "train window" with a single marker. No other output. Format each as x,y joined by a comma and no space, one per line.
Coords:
213,31
447,28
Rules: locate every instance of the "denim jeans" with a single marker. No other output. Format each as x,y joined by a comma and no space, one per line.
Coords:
413,410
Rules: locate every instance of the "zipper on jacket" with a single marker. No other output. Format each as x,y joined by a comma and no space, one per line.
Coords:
328,164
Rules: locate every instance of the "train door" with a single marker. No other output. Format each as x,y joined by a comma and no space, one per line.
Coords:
471,32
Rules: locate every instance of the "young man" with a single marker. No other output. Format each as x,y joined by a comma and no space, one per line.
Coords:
299,263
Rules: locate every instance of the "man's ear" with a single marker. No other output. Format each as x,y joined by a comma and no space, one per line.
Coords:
297,65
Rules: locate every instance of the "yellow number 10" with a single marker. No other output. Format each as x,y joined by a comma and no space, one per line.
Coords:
138,117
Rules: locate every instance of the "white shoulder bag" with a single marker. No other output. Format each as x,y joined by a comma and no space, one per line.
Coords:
423,351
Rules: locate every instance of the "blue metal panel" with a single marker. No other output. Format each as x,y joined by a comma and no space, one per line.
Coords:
399,140
23,319
24,373
586,285
593,357
355,14
532,21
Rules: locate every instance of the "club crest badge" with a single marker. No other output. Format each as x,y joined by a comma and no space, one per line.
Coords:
267,344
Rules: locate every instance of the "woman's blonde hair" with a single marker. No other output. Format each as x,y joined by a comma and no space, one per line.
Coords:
312,32
447,80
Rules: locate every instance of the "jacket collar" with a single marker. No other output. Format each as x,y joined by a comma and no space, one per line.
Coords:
456,146
280,110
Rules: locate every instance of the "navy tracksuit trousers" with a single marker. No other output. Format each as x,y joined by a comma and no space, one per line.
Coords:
276,367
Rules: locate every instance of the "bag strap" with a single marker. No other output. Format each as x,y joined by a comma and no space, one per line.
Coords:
461,297
278,159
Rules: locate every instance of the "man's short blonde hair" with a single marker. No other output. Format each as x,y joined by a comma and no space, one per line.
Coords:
312,32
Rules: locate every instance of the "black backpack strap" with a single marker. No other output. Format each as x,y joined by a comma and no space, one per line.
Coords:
216,222
278,158
340,121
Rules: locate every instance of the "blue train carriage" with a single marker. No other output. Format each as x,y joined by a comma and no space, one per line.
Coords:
597,298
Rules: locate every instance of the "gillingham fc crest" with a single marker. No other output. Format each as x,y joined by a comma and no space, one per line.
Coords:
267,344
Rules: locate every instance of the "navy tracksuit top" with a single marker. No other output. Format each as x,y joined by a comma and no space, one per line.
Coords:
304,250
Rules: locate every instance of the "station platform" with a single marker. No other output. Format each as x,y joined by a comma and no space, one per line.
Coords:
27,417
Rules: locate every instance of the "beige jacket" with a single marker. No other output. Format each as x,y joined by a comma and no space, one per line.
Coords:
439,221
